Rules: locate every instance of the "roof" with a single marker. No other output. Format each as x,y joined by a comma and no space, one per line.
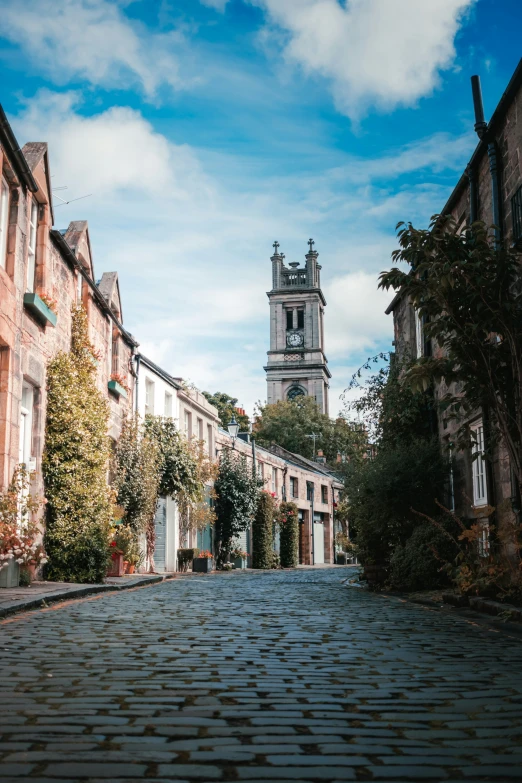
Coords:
300,461
35,152
14,153
158,370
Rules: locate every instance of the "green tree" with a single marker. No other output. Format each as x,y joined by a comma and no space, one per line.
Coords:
236,491
75,462
289,535
226,407
289,423
468,293
136,469
263,531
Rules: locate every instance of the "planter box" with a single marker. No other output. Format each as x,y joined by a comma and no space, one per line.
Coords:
341,558
116,567
240,562
10,576
203,565
39,310
117,388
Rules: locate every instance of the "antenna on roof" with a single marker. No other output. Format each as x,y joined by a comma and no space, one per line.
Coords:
66,187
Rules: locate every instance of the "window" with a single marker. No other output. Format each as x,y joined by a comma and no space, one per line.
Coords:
483,542
419,340
294,488
274,480
516,211
324,494
478,466
31,256
300,319
168,405
79,289
289,319
115,368
26,424
4,221
309,490
188,424
149,397
209,440
260,470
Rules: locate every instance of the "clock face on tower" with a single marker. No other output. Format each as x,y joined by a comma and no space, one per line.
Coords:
294,339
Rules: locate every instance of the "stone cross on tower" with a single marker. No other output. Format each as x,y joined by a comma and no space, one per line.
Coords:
311,244
276,248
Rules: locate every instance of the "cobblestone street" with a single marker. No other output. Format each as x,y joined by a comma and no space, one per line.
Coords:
257,676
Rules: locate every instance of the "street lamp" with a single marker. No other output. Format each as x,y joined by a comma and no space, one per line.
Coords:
233,429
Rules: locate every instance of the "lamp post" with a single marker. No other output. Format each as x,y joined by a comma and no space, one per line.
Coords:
233,429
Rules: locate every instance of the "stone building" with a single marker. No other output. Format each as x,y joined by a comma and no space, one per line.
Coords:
293,478
490,190
44,272
297,363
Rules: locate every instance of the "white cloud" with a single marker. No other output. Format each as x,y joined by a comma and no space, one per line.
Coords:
192,249
381,53
356,320
91,40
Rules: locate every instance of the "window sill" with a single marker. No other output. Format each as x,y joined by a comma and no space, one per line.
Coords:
39,310
117,389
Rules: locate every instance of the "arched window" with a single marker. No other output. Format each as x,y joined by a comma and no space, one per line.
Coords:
295,391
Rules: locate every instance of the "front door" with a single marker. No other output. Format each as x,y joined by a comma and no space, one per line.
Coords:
318,539
160,525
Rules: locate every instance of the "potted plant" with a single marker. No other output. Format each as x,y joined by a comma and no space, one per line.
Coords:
239,556
203,563
134,557
185,558
18,533
116,567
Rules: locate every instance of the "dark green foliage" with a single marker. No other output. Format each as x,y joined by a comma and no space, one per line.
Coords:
263,532
177,464
288,535
420,563
468,292
236,492
226,407
185,558
290,422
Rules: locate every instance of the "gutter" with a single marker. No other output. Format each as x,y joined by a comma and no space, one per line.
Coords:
9,141
64,248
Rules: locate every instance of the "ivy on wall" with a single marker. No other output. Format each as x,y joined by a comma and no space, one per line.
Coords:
75,462
263,532
236,490
288,535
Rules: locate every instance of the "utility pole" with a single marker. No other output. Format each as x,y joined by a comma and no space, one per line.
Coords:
313,528
313,436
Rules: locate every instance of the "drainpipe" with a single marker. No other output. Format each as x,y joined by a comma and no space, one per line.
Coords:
313,530
481,129
473,200
137,382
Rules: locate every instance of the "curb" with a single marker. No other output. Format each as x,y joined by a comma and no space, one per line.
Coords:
80,592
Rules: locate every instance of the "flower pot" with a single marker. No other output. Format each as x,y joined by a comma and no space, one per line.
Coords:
341,558
116,565
131,568
203,565
240,562
126,566
10,574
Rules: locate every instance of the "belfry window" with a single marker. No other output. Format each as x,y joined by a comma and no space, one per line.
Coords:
289,319
300,319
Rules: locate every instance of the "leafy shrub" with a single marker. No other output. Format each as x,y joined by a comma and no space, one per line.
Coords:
75,463
288,535
236,490
419,563
185,558
262,532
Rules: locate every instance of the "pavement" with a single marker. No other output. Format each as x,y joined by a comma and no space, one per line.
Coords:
37,594
247,676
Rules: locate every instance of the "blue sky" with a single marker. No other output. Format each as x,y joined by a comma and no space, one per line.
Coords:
205,129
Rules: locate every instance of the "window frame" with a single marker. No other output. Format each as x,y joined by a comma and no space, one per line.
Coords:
294,487
324,494
310,491
5,197
26,429
274,480
32,238
167,405
150,388
289,319
478,466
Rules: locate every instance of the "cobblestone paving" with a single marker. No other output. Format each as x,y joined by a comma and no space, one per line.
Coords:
282,676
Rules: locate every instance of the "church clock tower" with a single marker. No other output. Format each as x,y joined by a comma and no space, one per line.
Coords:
297,364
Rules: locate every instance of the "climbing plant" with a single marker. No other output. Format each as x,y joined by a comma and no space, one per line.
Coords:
263,531
236,491
195,503
288,535
75,462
